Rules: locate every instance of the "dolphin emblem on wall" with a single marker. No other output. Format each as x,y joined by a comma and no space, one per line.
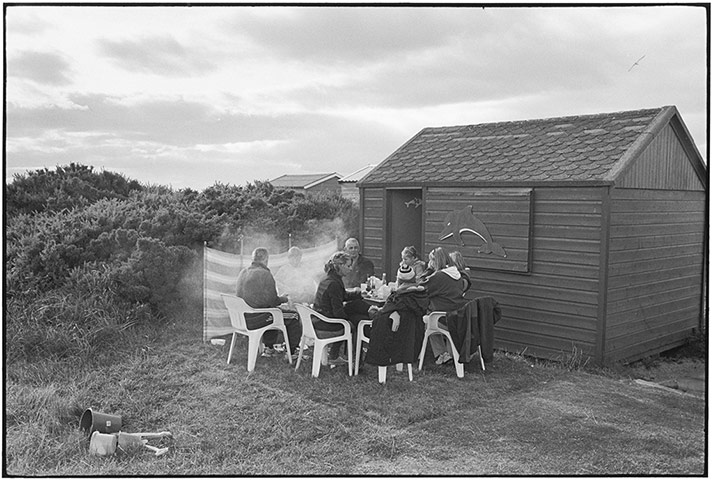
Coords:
460,221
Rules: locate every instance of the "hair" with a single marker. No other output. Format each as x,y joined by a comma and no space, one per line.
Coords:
351,240
411,251
337,258
260,255
294,252
458,260
440,258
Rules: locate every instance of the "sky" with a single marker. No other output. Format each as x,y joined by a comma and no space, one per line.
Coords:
188,97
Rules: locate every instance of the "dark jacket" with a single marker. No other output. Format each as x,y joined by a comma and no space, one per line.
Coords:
256,286
445,292
362,268
472,325
331,296
403,345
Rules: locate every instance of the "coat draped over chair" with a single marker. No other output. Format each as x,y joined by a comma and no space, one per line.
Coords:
472,325
387,347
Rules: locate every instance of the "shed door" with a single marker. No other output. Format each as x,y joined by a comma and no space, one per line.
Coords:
403,220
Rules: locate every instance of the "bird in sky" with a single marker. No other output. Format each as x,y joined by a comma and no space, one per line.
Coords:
636,63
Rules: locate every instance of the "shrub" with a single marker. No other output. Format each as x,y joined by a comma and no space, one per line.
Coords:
78,320
66,187
89,255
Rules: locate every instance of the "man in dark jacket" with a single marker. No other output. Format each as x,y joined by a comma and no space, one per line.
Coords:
256,286
362,267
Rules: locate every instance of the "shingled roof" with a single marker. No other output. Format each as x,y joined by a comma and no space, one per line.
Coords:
586,148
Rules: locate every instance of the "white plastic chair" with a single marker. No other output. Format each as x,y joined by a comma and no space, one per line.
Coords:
432,327
308,332
361,338
237,308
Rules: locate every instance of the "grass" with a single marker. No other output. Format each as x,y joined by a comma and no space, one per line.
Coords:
517,418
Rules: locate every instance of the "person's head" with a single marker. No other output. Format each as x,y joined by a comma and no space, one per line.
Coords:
409,255
351,247
405,275
438,259
261,255
294,256
339,263
458,260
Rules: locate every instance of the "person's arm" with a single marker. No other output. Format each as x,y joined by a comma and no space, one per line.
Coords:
433,284
336,301
367,270
274,299
240,290
352,295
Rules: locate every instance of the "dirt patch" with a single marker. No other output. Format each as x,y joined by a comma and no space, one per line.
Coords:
683,369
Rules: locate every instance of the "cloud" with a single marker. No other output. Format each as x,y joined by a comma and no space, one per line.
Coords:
159,55
41,67
344,36
241,93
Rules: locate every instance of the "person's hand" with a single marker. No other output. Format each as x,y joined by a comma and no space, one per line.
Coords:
395,321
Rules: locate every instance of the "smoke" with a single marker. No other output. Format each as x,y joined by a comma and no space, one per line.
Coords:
300,285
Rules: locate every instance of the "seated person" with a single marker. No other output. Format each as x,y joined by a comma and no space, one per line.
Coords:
294,280
361,267
334,301
256,286
459,262
445,293
410,257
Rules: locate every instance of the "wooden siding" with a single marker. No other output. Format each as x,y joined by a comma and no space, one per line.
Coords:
663,165
554,308
374,226
506,213
655,270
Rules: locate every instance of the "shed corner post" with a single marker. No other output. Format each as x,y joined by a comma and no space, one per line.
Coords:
600,346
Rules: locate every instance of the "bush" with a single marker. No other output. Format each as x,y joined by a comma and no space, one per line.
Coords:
89,255
81,319
66,187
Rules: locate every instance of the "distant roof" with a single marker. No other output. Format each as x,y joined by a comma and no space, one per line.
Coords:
358,175
303,181
580,148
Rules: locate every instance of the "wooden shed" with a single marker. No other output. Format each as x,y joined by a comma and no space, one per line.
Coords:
590,231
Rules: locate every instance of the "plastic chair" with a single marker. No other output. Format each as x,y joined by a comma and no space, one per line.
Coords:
237,308
399,368
361,337
432,327
308,332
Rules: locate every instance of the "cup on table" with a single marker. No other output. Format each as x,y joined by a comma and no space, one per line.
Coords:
363,287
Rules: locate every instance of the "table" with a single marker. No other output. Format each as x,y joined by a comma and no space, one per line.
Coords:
377,301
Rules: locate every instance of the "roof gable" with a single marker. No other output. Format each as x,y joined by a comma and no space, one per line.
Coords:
357,175
302,181
586,148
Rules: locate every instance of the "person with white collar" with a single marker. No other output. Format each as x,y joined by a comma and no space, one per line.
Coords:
445,293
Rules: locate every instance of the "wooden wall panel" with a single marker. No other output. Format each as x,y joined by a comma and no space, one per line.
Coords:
553,308
663,165
373,211
655,270
505,213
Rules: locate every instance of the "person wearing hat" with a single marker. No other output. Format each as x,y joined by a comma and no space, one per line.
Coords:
405,276
410,258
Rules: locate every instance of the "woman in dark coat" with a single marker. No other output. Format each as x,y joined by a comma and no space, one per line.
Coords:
334,301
